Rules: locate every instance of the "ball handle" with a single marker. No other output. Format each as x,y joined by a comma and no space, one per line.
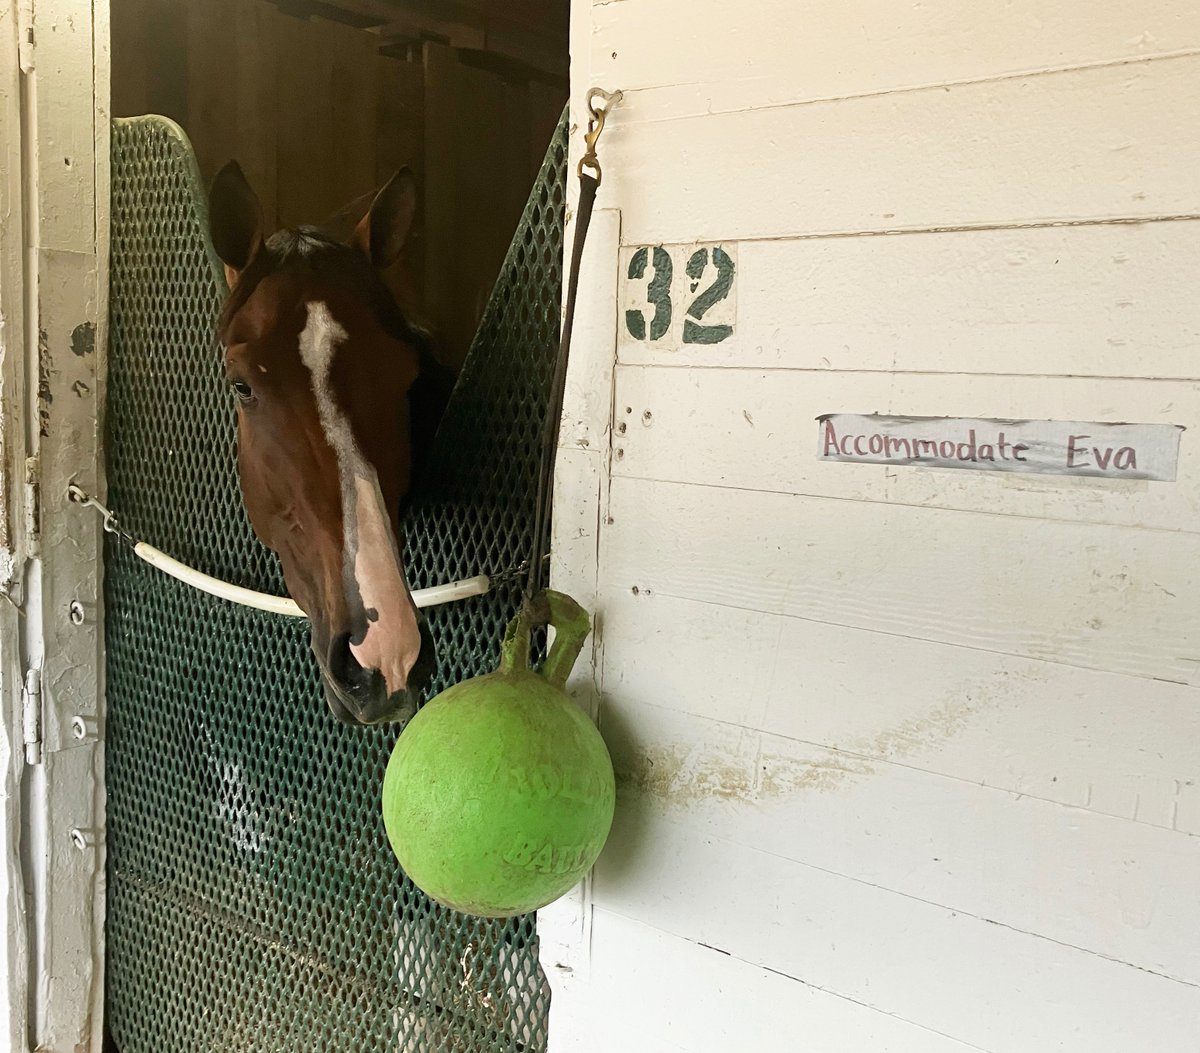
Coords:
571,627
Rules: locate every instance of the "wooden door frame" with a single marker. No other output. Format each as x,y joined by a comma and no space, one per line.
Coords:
581,486
54,133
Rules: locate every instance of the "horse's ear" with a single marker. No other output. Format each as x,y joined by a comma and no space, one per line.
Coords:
235,220
381,233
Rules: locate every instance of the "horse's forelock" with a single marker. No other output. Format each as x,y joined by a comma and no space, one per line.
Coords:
328,260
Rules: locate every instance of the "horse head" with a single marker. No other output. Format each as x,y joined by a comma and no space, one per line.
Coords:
337,396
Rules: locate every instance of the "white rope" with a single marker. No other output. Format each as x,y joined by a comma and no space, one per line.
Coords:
431,597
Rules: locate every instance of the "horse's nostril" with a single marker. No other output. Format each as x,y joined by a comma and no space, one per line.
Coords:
360,696
426,663
337,706
340,664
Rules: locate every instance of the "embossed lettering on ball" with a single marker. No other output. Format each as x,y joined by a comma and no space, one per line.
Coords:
499,794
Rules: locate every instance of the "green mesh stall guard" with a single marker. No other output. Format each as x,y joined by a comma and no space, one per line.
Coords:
253,902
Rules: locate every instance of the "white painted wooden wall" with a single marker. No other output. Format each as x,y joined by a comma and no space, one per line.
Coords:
910,759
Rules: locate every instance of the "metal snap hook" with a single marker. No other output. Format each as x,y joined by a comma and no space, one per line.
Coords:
77,495
595,126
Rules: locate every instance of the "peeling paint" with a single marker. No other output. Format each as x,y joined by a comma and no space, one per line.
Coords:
45,372
6,504
8,573
83,339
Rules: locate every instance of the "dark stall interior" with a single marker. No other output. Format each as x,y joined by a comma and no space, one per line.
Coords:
321,101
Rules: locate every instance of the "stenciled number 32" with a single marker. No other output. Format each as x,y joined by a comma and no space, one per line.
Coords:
658,294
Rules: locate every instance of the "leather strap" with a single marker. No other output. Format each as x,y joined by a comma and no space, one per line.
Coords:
539,571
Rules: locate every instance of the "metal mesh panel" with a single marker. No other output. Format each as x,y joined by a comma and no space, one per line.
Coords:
253,902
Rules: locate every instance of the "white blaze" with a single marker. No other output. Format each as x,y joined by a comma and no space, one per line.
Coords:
393,640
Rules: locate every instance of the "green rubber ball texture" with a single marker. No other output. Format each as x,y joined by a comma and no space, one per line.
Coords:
499,795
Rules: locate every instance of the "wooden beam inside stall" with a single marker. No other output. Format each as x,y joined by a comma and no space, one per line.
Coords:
480,131
256,148
400,142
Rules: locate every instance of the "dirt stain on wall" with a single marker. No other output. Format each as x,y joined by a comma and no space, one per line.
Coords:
732,763
672,775
684,776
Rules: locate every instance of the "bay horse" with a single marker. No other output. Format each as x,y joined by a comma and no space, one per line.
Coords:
338,396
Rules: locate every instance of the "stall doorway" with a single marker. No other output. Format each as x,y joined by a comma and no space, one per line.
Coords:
253,904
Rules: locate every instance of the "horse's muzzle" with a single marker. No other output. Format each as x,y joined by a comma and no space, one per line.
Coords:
360,696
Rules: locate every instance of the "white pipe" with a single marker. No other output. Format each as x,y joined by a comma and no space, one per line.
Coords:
456,590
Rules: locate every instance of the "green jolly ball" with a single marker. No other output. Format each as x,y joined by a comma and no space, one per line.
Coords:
499,794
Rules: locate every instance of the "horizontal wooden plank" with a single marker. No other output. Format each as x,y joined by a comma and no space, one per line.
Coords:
1115,888
1113,598
758,431
983,154
1054,732
667,51
707,1001
1084,301
984,984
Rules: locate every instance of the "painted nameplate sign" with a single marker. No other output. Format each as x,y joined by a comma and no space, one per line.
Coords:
1044,447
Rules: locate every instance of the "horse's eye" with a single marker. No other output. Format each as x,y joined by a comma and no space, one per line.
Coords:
242,390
